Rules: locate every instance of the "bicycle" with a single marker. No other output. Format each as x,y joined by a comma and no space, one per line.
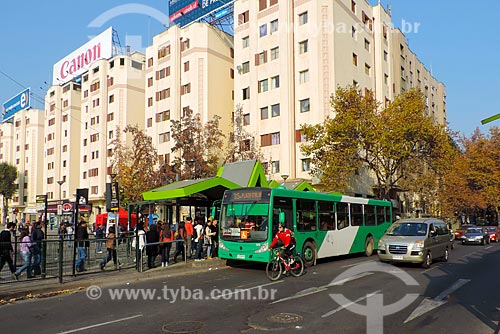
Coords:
278,265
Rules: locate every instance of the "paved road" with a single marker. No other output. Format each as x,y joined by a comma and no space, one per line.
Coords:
459,296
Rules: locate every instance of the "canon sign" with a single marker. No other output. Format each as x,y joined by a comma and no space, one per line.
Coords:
78,62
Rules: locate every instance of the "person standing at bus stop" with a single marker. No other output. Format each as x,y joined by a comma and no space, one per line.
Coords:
81,238
188,225
6,248
111,248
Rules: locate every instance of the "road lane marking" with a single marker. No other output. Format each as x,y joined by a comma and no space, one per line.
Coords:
313,290
428,304
237,290
355,264
101,324
340,308
488,247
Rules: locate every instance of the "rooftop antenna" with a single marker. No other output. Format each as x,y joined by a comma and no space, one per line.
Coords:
389,10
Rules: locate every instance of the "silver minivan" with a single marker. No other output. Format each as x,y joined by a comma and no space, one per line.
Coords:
415,240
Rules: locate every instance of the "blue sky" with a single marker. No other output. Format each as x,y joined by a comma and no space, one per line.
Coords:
455,39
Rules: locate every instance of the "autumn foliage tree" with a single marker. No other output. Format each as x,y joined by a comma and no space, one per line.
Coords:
396,144
198,147
135,163
8,176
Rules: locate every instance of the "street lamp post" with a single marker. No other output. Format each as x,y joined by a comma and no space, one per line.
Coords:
191,163
60,183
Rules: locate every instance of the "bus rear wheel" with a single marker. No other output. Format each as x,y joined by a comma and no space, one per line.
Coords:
369,245
309,254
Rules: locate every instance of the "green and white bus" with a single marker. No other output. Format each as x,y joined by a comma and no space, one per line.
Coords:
324,225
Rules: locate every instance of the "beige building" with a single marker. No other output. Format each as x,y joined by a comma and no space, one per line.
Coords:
20,147
187,69
291,55
81,122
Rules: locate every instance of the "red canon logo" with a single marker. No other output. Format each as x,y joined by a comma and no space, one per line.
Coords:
69,67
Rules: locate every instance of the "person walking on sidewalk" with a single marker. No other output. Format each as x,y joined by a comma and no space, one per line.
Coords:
99,235
165,236
111,248
82,242
181,241
25,248
188,225
37,237
6,248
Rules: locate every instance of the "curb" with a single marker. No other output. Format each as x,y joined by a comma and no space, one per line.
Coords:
51,287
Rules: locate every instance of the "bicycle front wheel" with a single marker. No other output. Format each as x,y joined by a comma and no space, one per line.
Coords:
297,268
273,269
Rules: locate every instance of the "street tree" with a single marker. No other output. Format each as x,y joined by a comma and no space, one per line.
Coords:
396,144
197,148
135,163
241,144
8,176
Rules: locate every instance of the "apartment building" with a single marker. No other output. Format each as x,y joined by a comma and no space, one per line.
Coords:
20,146
112,98
187,68
290,57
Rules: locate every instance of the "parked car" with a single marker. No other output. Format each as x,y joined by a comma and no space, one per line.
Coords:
476,235
418,240
459,233
494,233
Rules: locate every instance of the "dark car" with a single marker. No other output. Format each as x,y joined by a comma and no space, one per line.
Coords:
476,235
459,233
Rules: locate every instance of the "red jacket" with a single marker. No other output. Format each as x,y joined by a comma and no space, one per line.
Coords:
285,237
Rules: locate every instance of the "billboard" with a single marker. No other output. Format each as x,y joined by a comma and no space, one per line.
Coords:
184,12
79,61
19,102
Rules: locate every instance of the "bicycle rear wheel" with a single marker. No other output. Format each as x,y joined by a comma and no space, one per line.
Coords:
273,269
297,268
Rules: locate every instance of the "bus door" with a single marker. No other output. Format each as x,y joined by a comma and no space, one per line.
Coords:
281,204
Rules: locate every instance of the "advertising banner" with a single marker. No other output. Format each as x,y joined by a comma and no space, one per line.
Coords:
184,12
19,102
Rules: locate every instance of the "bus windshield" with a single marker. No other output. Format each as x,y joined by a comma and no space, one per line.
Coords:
244,222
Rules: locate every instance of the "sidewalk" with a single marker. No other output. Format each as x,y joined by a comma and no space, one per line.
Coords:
26,289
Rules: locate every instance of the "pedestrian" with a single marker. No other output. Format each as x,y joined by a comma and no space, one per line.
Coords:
82,242
141,237
152,237
61,231
37,237
111,249
166,237
69,233
181,242
215,239
6,248
188,225
208,237
99,235
25,248
198,231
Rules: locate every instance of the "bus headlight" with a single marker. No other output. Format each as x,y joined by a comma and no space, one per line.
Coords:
418,245
222,246
262,248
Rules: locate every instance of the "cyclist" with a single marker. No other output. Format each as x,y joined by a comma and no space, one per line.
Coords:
285,240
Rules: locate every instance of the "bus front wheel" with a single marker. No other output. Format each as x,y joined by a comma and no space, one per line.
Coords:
309,254
369,245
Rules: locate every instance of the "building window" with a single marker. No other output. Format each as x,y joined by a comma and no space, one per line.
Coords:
353,6
275,82
275,138
303,46
110,117
246,42
111,98
274,26
150,82
275,53
246,119
263,30
261,58
367,69
262,4
243,17
275,110
246,93
353,32
355,59
110,134
164,137
150,62
386,79
385,56
263,86
264,113
186,66
275,167
303,19
306,165
303,76
186,89
367,45
149,122
305,105
245,67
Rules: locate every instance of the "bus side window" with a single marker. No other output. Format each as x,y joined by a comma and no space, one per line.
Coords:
342,215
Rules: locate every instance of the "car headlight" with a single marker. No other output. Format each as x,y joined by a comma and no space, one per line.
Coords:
381,244
222,246
419,244
262,248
